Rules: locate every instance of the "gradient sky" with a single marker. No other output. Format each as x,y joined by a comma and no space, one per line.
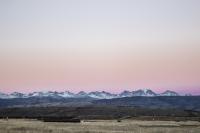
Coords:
110,45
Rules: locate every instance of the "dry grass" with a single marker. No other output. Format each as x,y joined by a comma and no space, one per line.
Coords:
126,126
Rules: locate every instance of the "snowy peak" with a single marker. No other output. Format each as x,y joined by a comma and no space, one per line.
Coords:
41,94
101,95
17,95
4,96
140,92
126,94
82,94
149,92
145,92
54,94
169,93
35,94
66,94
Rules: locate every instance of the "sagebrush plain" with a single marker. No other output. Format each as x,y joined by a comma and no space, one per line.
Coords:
98,126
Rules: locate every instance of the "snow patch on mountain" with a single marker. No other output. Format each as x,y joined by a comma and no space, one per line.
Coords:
169,93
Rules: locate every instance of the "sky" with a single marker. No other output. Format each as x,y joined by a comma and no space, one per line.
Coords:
94,45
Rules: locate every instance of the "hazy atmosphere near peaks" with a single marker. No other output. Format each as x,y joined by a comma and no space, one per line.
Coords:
110,45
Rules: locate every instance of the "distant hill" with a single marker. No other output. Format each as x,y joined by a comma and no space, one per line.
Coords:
44,101
186,102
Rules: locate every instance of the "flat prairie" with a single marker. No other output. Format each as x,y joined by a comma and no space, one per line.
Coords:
98,126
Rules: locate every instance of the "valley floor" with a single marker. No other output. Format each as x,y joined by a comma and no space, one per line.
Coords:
100,126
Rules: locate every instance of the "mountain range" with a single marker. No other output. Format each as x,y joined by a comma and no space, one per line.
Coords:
139,98
94,94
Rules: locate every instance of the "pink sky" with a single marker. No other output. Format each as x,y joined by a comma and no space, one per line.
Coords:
102,45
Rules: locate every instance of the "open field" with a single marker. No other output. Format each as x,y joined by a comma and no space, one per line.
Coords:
98,126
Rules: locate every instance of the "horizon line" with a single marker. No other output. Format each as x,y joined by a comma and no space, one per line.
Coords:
68,90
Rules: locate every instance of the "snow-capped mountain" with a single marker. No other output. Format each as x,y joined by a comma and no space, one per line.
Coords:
66,94
140,92
40,94
17,95
101,95
126,94
82,94
4,96
145,92
54,94
169,93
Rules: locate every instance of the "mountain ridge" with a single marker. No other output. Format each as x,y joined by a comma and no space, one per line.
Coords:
93,94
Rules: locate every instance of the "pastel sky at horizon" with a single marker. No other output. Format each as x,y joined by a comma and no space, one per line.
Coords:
89,45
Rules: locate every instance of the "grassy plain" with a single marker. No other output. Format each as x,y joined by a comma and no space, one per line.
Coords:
99,126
